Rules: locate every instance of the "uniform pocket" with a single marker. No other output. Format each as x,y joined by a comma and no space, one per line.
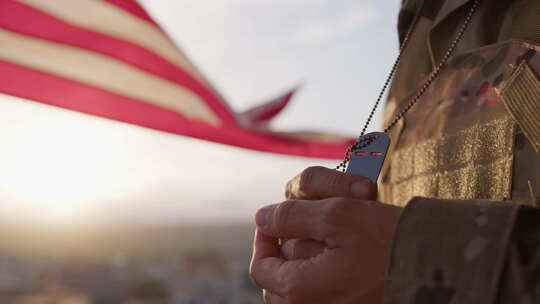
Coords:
475,163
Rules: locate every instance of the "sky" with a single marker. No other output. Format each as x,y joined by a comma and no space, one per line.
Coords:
63,167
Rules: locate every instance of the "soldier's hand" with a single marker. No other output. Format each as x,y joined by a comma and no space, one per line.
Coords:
356,235
318,183
321,182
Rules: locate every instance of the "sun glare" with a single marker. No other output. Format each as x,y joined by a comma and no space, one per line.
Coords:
55,169
53,160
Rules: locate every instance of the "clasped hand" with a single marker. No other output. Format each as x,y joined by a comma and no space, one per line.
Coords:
328,243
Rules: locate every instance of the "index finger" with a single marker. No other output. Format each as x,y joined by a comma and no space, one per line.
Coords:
319,220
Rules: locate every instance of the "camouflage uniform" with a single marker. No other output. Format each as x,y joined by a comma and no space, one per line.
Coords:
466,159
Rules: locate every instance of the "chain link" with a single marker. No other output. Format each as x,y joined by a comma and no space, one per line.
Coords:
360,143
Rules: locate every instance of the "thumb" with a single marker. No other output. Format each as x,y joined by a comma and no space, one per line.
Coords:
320,182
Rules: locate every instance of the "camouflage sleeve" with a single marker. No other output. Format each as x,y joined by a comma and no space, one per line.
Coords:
520,281
476,251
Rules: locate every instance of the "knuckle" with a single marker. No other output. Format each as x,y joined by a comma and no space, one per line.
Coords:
337,210
338,183
281,216
307,178
334,181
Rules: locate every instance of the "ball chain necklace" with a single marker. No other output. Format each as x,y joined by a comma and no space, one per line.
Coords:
367,154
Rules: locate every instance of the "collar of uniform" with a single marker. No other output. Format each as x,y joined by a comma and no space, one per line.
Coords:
412,6
448,8
409,9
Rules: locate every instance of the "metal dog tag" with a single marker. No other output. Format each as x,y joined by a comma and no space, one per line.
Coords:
368,161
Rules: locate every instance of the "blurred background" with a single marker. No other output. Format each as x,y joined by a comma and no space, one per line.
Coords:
97,211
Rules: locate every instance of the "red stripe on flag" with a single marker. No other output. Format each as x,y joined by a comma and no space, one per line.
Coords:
275,108
269,110
49,89
26,20
134,8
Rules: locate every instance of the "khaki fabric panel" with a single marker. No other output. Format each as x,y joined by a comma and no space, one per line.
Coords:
474,163
102,72
491,180
521,96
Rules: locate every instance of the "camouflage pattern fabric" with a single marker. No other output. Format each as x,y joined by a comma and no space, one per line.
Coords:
465,161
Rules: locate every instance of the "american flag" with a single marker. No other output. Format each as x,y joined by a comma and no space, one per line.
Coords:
111,59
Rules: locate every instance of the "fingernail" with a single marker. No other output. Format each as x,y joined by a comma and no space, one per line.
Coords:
360,189
262,218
